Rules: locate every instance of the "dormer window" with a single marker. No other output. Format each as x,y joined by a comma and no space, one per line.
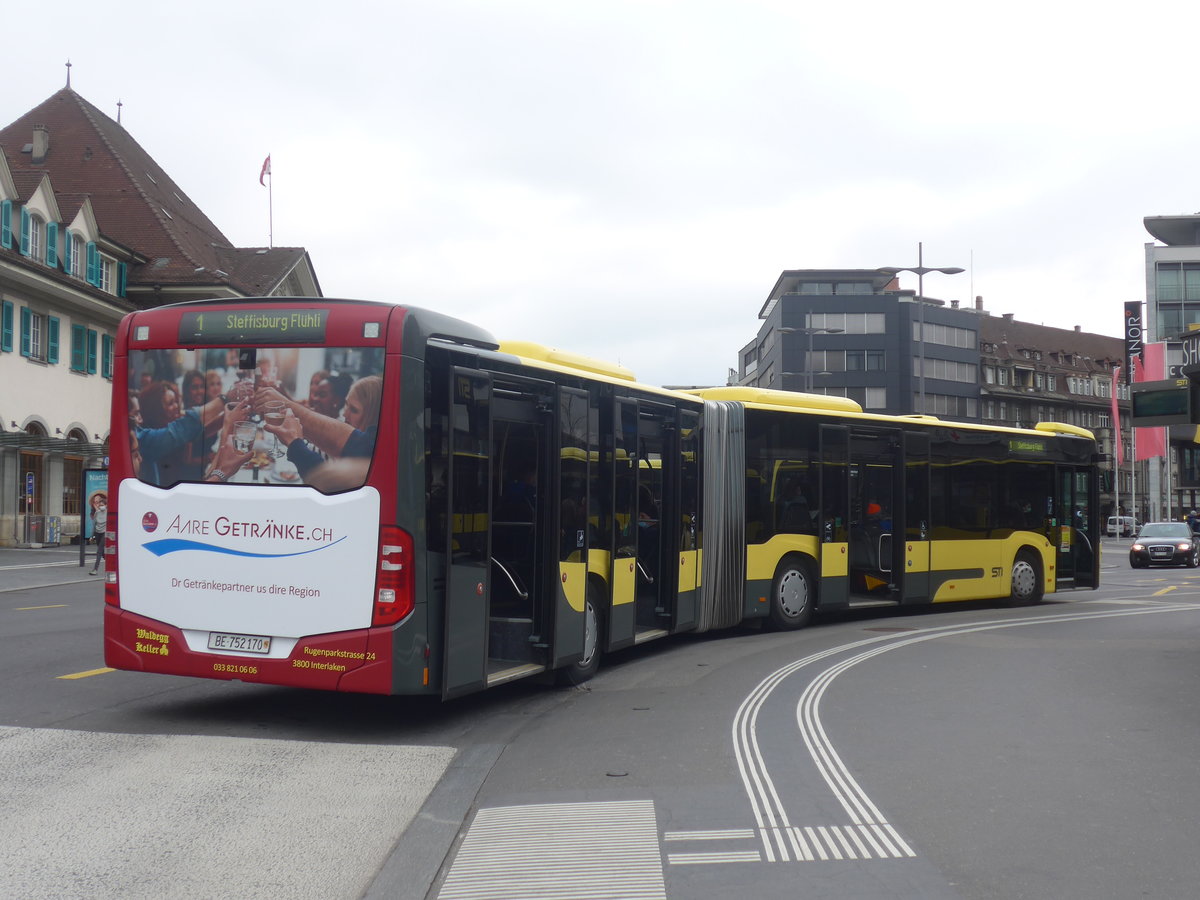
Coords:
37,235
105,272
39,240
73,255
108,274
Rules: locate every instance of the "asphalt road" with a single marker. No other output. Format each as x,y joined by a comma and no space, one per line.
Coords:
976,753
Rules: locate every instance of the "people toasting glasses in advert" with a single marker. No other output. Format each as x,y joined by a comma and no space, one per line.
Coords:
230,455
312,438
171,436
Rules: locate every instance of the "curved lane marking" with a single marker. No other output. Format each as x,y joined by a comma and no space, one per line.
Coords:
782,840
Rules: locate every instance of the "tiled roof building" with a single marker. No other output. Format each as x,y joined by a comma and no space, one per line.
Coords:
92,227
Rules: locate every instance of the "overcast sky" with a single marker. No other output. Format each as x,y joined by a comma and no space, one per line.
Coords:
628,179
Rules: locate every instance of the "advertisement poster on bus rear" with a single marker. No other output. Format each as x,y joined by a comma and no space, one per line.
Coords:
247,561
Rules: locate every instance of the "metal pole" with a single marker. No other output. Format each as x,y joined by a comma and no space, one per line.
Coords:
1133,469
921,317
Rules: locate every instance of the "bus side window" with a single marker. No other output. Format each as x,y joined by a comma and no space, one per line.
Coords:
796,517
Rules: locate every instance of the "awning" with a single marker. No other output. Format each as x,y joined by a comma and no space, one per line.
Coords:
22,440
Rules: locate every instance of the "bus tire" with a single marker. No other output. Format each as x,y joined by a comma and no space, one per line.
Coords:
593,622
1026,579
793,594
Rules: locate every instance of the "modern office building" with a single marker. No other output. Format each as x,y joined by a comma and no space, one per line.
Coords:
1172,308
856,333
91,227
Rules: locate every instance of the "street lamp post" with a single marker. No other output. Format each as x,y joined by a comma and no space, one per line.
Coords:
808,360
920,269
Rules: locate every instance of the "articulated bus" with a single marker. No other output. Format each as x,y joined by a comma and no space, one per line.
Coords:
359,496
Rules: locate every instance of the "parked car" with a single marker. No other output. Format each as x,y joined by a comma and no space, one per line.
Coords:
1165,544
1121,526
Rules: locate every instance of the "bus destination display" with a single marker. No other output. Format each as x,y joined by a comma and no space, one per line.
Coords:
253,326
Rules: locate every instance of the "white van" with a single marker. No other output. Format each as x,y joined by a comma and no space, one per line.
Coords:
1121,526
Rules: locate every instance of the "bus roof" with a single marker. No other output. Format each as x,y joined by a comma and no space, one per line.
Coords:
531,352
842,407
776,398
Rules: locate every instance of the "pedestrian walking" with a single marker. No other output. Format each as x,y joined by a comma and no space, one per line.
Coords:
99,523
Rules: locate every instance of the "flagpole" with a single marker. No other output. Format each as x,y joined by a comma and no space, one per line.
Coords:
1117,473
1133,470
265,173
1170,517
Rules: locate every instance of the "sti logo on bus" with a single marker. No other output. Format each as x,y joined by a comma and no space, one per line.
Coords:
150,521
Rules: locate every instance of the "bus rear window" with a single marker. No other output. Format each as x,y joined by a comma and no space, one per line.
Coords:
249,415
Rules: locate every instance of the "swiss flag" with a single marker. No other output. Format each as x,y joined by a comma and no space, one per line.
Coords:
266,170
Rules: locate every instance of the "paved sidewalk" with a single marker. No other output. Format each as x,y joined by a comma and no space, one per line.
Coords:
44,567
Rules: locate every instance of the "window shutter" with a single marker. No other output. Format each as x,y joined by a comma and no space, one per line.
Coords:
106,356
52,339
52,244
26,330
91,352
6,327
24,231
78,351
67,250
93,263
122,271
6,224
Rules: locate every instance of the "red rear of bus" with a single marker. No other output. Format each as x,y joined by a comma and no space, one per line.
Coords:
255,531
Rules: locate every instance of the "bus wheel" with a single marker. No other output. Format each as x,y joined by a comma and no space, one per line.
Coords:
1026,579
793,594
585,668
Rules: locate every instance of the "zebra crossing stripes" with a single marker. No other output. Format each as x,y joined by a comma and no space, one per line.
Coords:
793,843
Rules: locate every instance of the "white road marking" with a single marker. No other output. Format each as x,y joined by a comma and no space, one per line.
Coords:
866,822
732,856
716,834
612,849
607,849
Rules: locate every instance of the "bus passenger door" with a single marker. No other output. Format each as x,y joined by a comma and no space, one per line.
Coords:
834,535
687,537
624,574
912,518
874,486
657,526
1077,564
469,550
577,440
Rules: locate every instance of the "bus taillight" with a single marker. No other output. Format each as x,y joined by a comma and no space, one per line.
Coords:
394,581
111,595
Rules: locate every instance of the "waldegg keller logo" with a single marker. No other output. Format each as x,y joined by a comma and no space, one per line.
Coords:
225,527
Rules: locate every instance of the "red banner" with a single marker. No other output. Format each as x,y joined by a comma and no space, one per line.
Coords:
1151,442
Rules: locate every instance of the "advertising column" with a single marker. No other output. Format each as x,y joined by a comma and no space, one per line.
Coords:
95,490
